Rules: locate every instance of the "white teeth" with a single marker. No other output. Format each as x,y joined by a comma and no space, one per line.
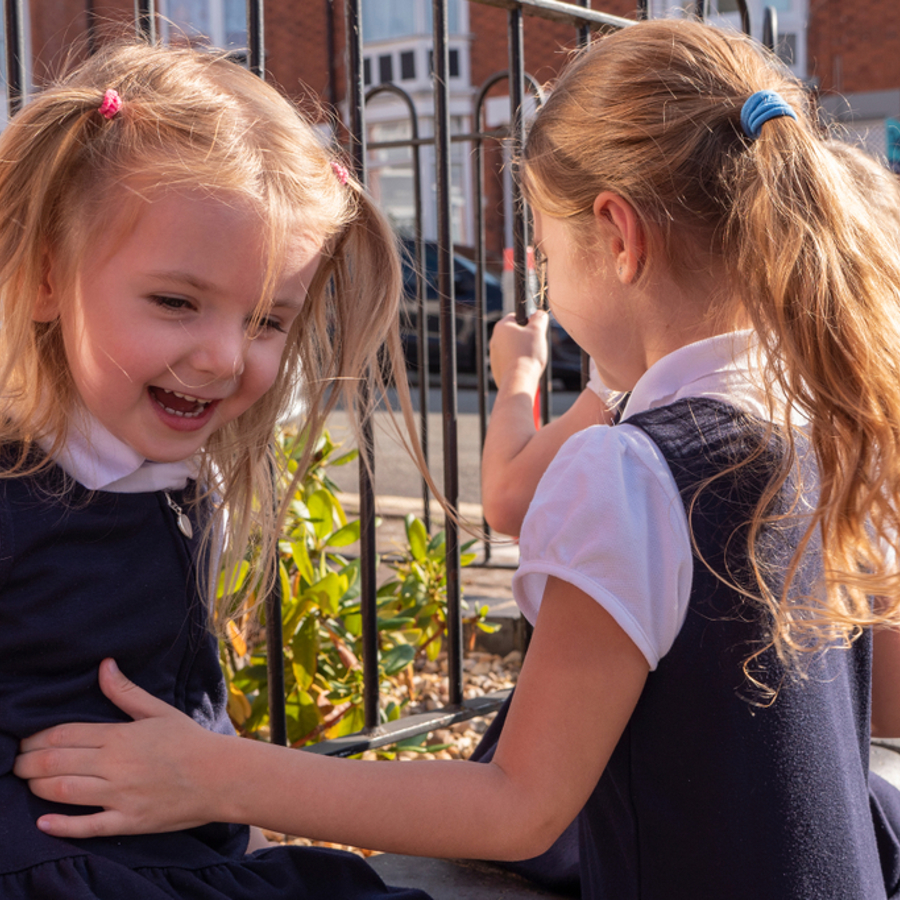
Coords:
184,415
201,405
188,397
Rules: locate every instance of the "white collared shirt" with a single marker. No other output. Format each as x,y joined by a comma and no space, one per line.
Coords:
97,459
607,516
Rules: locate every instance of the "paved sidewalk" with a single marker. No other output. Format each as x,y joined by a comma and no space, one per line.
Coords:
483,582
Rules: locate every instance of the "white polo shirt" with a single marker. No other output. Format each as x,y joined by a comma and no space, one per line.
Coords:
99,461
607,516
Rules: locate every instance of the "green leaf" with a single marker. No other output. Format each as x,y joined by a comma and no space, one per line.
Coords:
236,580
436,545
354,720
305,647
284,578
417,537
327,592
397,658
433,650
302,716
417,745
321,513
344,458
395,623
300,555
251,679
353,623
345,536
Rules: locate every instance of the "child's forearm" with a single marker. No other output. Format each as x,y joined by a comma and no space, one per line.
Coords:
164,772
516,454
440,808
546,764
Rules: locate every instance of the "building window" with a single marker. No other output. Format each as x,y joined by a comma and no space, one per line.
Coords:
386,69
452,62
217,23
732,6
787,48
407,65
384,20
367,70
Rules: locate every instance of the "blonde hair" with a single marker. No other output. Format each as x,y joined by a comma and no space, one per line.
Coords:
193,121
652,113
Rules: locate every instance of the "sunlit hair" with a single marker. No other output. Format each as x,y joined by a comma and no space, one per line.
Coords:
652,113
192,121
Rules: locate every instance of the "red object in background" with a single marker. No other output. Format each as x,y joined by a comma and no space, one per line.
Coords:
537,409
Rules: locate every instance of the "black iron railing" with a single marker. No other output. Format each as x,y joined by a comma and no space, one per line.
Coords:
584,21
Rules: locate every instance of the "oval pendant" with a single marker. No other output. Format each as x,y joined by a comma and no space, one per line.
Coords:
181,520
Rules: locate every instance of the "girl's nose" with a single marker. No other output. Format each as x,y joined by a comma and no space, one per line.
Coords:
220,353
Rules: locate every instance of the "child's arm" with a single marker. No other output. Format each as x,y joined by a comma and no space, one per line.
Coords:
164,772
516,454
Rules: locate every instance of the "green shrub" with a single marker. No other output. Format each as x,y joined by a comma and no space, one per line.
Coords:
321,617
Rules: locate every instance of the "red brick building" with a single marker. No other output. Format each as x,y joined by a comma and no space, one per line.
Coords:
855,63
849,52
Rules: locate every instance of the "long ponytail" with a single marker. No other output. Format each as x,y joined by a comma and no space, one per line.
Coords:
653,113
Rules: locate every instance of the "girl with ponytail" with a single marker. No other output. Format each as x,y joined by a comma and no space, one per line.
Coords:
713,579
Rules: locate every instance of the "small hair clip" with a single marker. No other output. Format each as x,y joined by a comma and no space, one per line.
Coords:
341,173
759,108
111,104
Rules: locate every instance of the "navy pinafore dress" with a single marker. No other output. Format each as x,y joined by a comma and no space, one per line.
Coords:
712,790
710,795
104,574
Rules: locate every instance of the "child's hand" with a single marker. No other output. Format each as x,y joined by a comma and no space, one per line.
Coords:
147,774
516,346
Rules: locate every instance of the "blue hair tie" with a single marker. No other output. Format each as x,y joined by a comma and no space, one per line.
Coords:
759,108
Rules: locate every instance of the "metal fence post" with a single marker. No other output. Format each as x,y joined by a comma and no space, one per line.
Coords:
145,19
14,28
448,343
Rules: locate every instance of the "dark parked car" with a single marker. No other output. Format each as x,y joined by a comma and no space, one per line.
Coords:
565,354
464,280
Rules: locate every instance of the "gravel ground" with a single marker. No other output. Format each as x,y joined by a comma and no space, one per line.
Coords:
427,690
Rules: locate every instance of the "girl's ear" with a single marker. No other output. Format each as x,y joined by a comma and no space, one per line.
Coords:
46,306
624,234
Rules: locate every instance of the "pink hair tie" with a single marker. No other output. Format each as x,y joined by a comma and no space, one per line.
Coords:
341,173
111,104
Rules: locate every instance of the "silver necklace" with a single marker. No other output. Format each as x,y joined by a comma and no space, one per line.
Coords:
183,522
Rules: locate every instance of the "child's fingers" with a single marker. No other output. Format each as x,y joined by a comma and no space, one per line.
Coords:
540,319
75,790
47,764
128,696
71,734
102,824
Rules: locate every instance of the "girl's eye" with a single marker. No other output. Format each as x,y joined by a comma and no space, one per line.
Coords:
266,324
175,303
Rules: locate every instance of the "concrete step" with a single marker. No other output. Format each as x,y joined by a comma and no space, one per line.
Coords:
884,759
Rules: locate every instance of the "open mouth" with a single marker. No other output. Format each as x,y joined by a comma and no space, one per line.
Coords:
183,405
